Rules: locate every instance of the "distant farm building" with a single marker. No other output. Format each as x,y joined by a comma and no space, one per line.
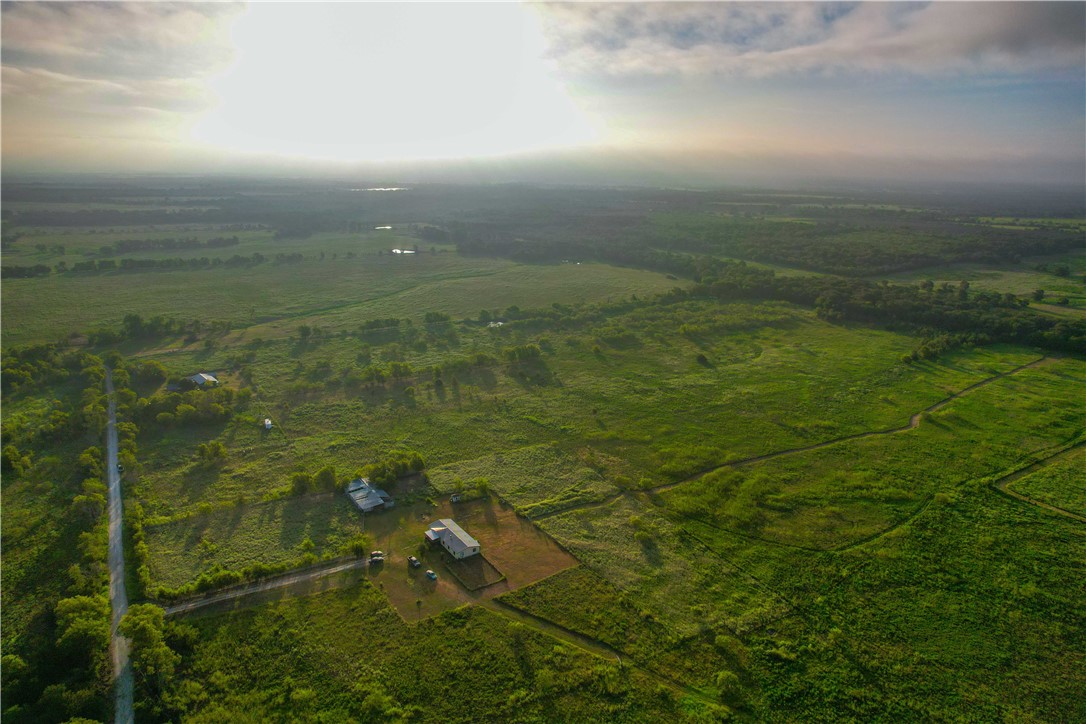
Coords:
367,497
201,379
452,538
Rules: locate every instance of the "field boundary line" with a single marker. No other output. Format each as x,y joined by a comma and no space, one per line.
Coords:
587,643
912,424
1003,483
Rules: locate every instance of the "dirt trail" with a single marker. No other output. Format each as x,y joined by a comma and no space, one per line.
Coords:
586,643
914,421
268,584
118,596
1003,484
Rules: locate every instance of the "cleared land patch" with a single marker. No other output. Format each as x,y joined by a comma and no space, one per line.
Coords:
520,551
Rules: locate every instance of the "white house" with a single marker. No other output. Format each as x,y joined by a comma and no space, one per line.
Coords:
452,538
202,378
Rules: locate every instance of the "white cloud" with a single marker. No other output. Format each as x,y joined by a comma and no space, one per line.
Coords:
118,39
754,39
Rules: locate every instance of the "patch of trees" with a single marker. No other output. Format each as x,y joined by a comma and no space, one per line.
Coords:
135,326
130,245
233,213
195,407
33,366
987,316
853,247
393,466
324,481
24,272
139,265
60,668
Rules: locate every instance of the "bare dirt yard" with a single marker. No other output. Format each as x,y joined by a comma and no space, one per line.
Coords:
511,544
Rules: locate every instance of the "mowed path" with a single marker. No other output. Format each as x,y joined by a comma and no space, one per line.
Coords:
914,422
118,596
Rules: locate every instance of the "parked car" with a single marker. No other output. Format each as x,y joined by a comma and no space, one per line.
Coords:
431,575
120,468
415,563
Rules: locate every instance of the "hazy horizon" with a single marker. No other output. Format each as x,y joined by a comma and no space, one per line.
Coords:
640,94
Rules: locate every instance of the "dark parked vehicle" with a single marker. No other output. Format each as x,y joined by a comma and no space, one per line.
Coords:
415,563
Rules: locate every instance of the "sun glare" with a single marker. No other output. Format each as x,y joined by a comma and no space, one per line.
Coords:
386,81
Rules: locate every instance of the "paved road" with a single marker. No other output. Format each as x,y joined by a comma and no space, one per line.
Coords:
118,597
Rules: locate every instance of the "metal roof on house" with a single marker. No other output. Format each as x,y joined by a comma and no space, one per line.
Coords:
201,378
367,497
455,537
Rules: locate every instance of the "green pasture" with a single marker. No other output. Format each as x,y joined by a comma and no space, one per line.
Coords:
638,412
346,655
536,479
847,492
640,550
581,600
274,532
1061,483
273,298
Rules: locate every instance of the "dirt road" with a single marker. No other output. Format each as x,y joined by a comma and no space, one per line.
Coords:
118,596
268,584
1004,483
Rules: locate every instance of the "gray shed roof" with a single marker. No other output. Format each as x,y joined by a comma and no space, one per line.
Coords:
367,497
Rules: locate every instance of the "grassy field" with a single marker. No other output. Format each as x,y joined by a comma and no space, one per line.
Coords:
536,479
1061,483
847,492
1019,279
638,412
326,288
347,655
274,532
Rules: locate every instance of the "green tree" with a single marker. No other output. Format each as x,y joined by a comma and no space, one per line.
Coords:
152,658
83,626
301,483
326,478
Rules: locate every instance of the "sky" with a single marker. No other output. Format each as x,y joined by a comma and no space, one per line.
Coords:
677,93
